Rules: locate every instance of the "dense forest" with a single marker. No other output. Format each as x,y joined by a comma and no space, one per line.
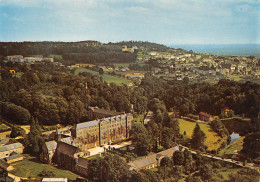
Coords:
79,52
55,95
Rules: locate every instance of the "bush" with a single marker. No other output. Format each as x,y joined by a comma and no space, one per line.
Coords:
46,173
17,131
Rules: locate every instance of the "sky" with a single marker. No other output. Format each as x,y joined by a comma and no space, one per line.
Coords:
160,21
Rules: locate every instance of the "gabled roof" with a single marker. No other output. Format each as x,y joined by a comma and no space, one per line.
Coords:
51,145
67,149
11,147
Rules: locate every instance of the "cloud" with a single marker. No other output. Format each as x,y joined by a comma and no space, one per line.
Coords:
137,9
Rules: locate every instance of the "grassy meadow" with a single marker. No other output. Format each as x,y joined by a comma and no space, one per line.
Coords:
107,78
213,140
233,148
31,167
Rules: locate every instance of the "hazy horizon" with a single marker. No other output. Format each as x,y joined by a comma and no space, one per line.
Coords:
160,21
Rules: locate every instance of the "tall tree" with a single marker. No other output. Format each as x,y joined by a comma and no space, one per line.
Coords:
198,138
34,140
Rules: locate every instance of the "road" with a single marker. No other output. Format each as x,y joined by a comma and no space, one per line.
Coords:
238,163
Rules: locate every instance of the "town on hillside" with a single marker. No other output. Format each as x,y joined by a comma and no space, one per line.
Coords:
127,111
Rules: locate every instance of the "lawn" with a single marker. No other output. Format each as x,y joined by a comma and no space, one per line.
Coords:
31,167
55,56
121,64
226,171
107,78
213,140
237,78
4,128
18,74
232,148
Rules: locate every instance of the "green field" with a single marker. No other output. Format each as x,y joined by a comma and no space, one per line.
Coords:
31,167
213,140
107,78
232,148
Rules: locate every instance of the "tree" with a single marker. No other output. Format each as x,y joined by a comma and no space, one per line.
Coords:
111,168
193,178
165,167
198,138
101,71
167,137
244,175
206,172
16,131
34,140
154,133
251,144
166,161
141,139
188,161
219,128
178,158
152,176
46,173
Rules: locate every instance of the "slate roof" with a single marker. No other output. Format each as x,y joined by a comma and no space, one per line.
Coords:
169,152
86,124
82,162
11,147
67,140
95,122
13,157
51,145
3,164
145,161
67,149
4,141
152,159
